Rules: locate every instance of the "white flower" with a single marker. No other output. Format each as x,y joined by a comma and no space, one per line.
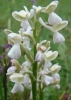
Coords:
23,14
46,79
11,70
26,37
49,55
56,79
26,34
18,87
17,78
30,13
7,31
57,37
15,37
26,64
55,27
55,68
39,56
21,30
25,24
15,51
50,8
44,24
47,64
54,19
26,80
26,42
43,45
20,16
37,9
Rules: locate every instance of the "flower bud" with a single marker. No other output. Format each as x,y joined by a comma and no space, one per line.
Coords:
55,68
7,31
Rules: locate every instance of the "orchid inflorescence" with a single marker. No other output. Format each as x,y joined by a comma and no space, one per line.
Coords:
37,71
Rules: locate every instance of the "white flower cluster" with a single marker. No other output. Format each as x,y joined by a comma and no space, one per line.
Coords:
47,73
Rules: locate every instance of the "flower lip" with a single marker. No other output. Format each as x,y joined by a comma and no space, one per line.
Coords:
15,37
57,37
54,19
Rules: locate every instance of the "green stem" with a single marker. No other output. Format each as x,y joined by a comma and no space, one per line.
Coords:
41,92
34,68
1,87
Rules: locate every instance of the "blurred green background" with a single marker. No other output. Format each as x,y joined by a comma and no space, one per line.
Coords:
64,49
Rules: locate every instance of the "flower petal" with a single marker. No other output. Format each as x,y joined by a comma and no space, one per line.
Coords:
57,37
17,77
19,16
18,87
15,51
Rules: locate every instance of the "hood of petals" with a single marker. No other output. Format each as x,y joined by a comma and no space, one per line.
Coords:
16,77
51,7
11,70
59,26
15,37
19,16
54,19
51,55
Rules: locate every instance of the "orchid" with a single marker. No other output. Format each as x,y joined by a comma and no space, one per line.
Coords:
36,72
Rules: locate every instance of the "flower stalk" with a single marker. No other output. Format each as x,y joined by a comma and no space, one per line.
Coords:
34,68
